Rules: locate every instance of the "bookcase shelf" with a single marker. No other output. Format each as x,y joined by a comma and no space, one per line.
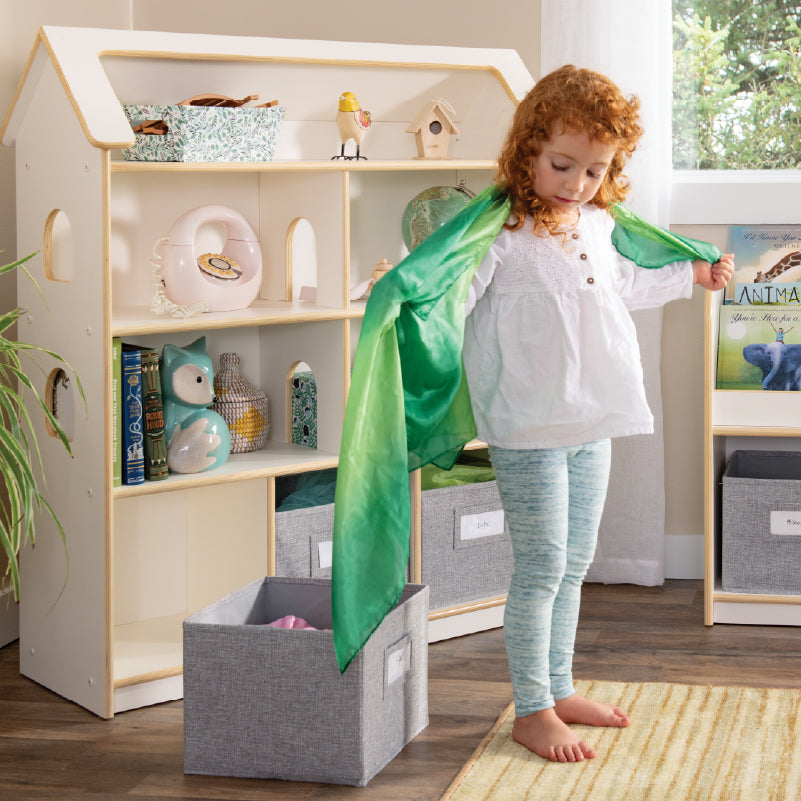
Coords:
739,419
142,558
406,165
147,648
137,321
275,459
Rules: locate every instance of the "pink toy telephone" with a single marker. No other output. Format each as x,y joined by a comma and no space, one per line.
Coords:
222,281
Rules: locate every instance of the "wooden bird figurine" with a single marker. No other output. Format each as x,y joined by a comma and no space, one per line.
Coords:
352,123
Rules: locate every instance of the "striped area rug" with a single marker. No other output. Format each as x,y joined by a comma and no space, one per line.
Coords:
685,742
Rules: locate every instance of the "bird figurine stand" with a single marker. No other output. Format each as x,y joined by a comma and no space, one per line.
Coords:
198,438
353,122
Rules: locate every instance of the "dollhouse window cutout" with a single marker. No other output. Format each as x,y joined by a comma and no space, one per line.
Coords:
60,400
58,250
301,260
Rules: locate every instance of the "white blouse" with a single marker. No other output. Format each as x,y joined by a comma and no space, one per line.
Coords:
550,349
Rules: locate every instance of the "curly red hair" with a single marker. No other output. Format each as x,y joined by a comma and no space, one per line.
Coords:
568,99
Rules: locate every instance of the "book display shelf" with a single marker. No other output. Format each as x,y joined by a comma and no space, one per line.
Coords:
143,558
740,420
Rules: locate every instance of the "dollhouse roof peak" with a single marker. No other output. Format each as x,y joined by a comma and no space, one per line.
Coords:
82,56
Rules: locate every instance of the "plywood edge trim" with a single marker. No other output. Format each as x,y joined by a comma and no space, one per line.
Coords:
313,165
144,678
108,433
176,325
7,129
462,609
755,431
709,498
416,485
494,70
742,598
74,102
209,479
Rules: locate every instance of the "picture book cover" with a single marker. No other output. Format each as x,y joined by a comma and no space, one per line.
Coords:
768,264
759,348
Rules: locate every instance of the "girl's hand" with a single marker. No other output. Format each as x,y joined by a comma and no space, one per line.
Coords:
714,276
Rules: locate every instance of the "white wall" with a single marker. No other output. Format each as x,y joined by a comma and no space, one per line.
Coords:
19,22
474,23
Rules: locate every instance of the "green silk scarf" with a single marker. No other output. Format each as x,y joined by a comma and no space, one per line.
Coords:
409,403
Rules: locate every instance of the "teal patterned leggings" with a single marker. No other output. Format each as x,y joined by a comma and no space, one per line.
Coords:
553,500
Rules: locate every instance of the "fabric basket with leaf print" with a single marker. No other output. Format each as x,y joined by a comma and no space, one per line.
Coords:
201,133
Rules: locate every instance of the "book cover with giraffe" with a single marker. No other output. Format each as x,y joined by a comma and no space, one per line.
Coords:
768,259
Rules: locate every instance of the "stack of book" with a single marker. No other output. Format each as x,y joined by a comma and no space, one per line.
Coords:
140,446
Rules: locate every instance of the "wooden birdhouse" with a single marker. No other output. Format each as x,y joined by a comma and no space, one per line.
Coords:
432,129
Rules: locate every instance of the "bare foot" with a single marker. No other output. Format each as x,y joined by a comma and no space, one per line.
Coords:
546,735
578,709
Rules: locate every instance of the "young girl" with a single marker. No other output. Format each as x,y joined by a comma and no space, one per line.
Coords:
554,371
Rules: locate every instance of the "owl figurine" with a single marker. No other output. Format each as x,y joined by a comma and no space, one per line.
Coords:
197,437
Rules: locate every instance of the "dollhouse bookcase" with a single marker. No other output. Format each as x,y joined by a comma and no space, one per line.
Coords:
103,627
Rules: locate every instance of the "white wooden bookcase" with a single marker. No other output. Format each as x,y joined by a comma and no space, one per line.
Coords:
740,420
142,558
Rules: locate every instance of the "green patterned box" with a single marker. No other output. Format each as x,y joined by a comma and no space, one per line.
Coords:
304,409
203,133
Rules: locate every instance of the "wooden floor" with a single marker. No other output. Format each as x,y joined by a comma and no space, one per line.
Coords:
52,749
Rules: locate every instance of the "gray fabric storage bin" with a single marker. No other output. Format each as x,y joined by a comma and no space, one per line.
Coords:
303,541
263,702
761,523
466,549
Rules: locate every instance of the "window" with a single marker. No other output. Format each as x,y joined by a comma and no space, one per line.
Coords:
736,85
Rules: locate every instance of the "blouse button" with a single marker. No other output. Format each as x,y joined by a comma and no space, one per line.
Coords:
590,280
583,257
575,236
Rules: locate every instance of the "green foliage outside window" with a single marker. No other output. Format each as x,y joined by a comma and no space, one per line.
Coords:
736,84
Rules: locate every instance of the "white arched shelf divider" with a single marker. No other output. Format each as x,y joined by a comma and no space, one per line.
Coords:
301,259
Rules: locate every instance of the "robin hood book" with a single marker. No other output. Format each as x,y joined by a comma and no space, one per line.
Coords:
153,416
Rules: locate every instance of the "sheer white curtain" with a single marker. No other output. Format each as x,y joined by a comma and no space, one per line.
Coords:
630,41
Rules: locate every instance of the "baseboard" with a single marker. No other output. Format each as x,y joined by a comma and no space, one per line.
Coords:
684,559
9,619
684,556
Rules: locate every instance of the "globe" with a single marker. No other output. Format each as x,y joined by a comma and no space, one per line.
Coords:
429,210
